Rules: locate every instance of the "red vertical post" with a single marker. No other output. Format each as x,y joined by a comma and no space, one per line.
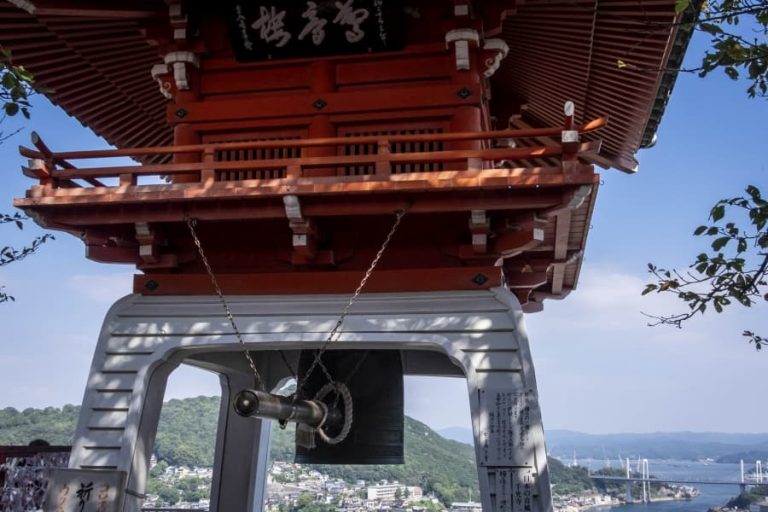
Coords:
322,77
466,119
464,44
184,134
208,174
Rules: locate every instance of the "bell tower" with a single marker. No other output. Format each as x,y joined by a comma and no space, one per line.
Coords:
338,192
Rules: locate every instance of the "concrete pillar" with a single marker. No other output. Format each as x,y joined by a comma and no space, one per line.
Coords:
242,453
508,431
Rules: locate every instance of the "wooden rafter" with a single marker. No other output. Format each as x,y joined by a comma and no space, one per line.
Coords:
88,9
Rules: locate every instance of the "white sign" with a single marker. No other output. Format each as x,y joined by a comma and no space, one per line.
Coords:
81,490
506,429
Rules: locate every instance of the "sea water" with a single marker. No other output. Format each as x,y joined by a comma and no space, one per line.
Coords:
711,495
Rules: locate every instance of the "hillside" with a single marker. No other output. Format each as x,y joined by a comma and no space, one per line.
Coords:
186,436
57,426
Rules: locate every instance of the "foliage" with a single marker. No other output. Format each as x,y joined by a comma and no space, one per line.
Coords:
738,30
190,488
158,469
9,254
607,486
167,494
438,465
618,488
15,86
15,90
428,506
736,270
568,480
744,500
306,503
187,431
55,425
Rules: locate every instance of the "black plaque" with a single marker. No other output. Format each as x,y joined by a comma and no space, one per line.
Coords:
263,29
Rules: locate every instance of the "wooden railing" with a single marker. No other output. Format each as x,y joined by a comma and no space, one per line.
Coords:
55,170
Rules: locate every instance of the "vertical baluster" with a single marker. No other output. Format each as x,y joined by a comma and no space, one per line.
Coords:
208,173
383,164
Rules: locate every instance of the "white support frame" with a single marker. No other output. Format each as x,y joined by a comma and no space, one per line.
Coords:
479,334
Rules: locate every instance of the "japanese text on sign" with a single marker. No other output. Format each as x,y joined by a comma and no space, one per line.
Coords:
296,28
72,490
506,430
514,490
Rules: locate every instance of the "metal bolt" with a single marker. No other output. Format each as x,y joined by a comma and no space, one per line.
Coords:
463,93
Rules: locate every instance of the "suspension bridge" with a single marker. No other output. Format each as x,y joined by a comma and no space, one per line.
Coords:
758,477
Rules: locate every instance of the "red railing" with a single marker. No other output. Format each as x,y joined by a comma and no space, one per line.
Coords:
55,170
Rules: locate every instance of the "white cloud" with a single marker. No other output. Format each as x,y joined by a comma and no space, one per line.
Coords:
102,288
602,369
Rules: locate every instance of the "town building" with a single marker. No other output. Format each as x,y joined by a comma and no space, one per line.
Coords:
466,506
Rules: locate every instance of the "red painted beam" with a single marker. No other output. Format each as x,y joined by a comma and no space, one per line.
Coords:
291,105
381,281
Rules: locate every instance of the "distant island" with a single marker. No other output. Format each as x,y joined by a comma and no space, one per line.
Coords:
719,447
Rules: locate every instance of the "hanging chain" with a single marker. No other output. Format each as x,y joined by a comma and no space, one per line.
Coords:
319,354
256,375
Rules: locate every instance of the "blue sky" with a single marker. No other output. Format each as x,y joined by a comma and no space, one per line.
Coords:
600,368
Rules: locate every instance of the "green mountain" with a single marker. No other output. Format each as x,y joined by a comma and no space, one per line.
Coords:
57,426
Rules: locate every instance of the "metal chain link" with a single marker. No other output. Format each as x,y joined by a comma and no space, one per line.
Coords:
319,354
257,376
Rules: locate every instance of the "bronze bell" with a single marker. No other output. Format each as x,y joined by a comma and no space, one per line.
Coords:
376,387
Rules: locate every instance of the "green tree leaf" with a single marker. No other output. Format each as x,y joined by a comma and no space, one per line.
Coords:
721,242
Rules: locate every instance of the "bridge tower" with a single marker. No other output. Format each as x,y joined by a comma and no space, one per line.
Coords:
282,151
628,495
743,478
646,475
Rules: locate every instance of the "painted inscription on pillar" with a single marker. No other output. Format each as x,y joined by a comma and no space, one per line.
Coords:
276,29
506,428
75,490
514,490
